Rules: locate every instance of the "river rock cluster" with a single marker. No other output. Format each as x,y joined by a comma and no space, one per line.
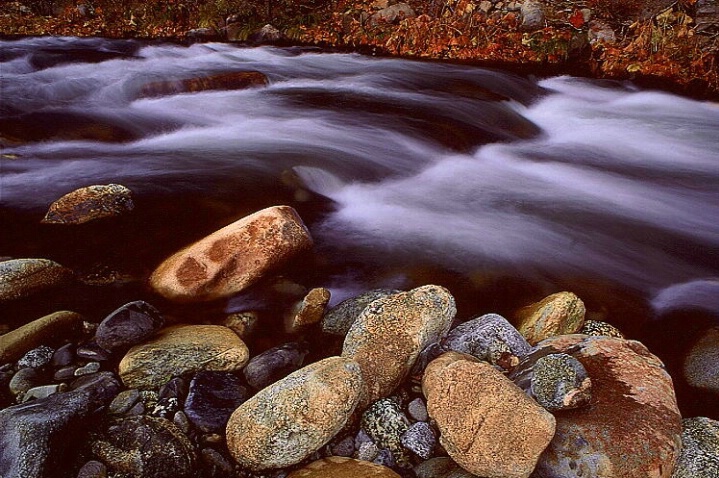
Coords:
410,393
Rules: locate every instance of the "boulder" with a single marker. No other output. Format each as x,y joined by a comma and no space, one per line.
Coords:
182,349
533,17
291,419
632,428
232,258
339,319
90,203
266,34
487,424
48,329
234,80
335,467
558,314
700,449
24,277
127,326
390,333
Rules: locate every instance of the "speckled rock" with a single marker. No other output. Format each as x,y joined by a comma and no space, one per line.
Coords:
37,357
632,428
127,326
24,277
182,349
486,423
390,333
700,449
558,314
599,328
441,467
700,363
34,436
555,381
532,15
124,401
23,380
385,423
308,311
274,364
93,469
212,398
289,420
90,203
336,467
490,338
339,319
232,258
48,329
145,446
417,409
421,439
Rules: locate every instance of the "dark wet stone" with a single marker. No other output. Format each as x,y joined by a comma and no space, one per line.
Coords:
175,388
6,374
150,447
430,352
385,423
274,364
166,407
124,401
87,369
23,380
64,373
385,458
343,447
127,326
216,464
599,328
34,436
421,439
37,357
212,398
93,469
183,423
63,356
339,319
92,351
490,338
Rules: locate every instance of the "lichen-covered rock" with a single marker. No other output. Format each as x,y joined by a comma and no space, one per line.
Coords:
487,424
700,362
632,428
339,319
289,420
182,349
599,328
308,311
558,314
127,326
90,203
234,80
390,333
490,338
555,381
336,467
700,449
232,258
21,278
150,447
385,423
48,329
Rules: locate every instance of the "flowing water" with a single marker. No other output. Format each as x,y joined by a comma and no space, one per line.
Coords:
502,187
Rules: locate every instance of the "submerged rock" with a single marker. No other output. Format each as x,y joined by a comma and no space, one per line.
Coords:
234,80
90,203
21,278
274,364
232,258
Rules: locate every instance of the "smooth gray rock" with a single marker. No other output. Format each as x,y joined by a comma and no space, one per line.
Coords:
274,364
127,326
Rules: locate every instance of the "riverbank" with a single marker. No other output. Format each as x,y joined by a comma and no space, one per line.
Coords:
658,44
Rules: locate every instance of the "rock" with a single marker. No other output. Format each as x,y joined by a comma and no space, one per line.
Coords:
555,381
90,203
420,439
49,329
21,278
700,449
308,311
212,398
145,446
632,428
385,458
700,362
232,258
600,32
218,465
37,357
23,380
93,469
92,351
343,447
385,423
390,333
87,369
441,467
124,401
266,34
127,326
242,323
34,436
63,356
335,467
490,338
182,349
339,319
417,409
532,15
486,423
707,16
234,80
43,391
558,314
274,364
392,14
599,328
288,421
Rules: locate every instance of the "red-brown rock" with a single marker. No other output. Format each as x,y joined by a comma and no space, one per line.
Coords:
235,80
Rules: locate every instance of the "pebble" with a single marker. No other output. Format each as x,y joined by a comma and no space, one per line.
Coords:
42,391
598,328
212,398
90,203
87,369
23,380
217,463
385,423
243,324
385,458
341,467
175,388
64,373
165,407
558,314
421,439
417,409
92,351
344,447
63,356
124,401
21,278
93,469
308,311
37,357
274,364
183,423
129,325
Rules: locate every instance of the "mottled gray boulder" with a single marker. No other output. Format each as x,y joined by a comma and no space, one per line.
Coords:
127,326
34,436
555,381
147,447
385,423
339,319
212,398
24,277
421,439
700,449
490,338
274,364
